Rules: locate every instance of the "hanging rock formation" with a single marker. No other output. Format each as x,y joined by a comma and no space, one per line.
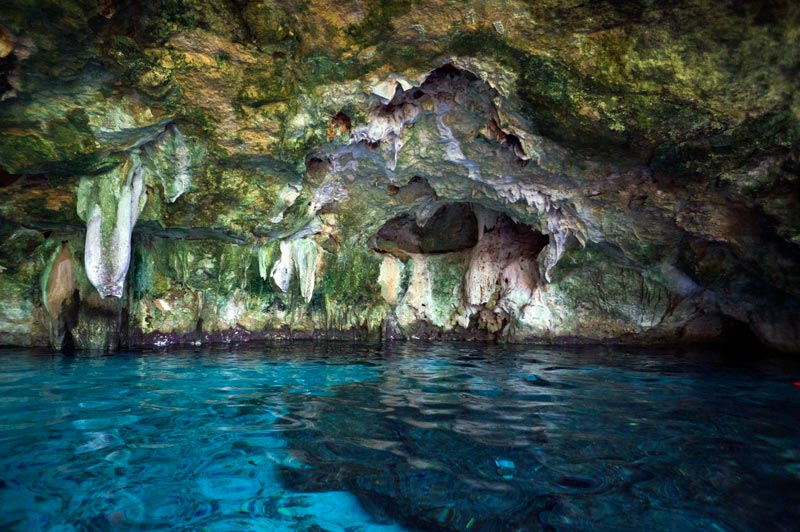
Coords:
110,204
550,171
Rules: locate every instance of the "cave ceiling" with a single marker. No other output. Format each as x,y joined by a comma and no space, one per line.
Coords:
178,170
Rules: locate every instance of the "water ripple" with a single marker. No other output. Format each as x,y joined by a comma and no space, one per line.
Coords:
470,438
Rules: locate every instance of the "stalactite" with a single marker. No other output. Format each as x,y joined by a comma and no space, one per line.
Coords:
168,161
302,256
181,180
282,270
453,151
387,123
110,204
558,229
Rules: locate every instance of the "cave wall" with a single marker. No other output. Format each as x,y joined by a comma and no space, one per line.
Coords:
193,172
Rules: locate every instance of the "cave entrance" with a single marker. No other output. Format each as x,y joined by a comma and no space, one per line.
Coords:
465,266
453,227
491,272
459,227
7,178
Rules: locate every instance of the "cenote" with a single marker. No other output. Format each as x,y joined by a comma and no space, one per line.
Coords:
398,437
383,265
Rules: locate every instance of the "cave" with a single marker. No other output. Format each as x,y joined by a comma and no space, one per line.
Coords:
387,265
464,255
453,227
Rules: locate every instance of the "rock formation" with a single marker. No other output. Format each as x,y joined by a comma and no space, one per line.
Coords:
180,171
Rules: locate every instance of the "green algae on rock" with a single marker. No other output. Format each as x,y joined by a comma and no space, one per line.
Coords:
548,171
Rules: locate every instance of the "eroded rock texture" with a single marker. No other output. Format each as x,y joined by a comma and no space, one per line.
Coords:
187,172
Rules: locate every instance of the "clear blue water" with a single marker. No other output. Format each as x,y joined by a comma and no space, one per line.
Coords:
404,437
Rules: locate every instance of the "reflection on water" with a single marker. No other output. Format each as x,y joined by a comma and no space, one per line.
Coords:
407,436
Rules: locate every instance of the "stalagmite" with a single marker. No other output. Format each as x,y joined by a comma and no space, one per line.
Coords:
484,270
58,286
389,279
417,301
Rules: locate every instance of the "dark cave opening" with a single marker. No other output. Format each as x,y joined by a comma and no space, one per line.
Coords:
490,272
519,240
8,65
7,178
456,227
453,227
448,70
741,341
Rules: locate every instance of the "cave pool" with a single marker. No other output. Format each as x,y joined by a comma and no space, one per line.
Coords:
407,436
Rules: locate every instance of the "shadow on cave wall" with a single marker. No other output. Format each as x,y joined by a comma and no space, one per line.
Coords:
467,270
455,227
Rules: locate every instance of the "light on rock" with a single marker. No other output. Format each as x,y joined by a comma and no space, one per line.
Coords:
110,204
300,255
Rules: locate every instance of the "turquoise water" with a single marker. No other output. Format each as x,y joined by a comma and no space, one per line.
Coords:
399,437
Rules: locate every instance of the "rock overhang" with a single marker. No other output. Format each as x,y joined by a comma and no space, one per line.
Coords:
667,195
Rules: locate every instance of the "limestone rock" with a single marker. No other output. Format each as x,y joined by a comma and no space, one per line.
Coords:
110,205
509,170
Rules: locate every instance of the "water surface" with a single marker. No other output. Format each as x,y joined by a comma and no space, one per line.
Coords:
400,437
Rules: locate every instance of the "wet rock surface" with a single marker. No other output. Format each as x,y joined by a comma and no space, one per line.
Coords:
554,172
